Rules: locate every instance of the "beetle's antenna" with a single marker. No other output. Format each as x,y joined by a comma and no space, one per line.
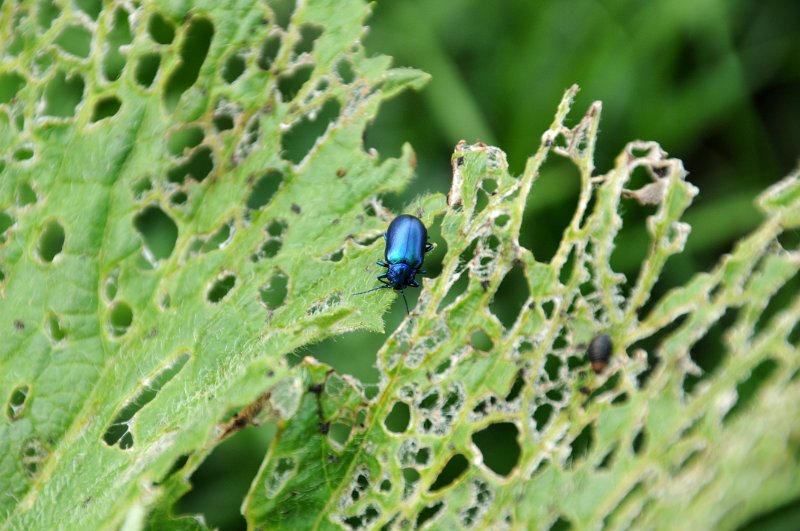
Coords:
373,289
403,293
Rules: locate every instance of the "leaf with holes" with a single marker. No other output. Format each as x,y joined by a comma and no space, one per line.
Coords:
581,407
171,185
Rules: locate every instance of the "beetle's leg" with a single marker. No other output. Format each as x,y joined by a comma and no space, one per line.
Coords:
382,263
421,271
403,293
384,235
413,283
383,280
428,246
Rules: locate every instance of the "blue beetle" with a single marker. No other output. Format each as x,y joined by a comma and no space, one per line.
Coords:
406,245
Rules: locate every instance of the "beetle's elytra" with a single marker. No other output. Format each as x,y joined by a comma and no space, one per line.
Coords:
406,245
599,352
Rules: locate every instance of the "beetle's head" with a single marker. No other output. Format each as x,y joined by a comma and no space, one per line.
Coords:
400,275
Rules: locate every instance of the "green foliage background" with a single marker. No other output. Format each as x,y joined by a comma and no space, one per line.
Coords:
138,250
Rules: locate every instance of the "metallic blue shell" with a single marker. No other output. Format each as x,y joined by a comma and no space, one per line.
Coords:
406,239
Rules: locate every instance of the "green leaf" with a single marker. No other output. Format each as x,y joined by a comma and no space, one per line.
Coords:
189,201
151,213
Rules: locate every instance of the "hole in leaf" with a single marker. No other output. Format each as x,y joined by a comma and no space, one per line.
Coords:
582,444
269,50
182,139
10,84
499,447
120,318
709,351
54,328
105,108
119,430
273,293
110,284
365,519
161,30
639,441
33,454
141,187
290,84
301,138
608,459
178,198
147,68
193,54
233,68
339,432
23,153
428,513
220,288
561,524
511,296
516,387
747,389
63,94
158,231
264,189
545,216
6,222
410,480
46,12
90,7
480,340
223,121
120,35
309,33
399,417
16,402
283,10
25,195
75,40
218,239
345,71
197,166
542,415
51,241
454,469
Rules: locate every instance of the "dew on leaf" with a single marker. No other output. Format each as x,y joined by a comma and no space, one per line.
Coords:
161,30
220,288
51,241
17,401
194,50
106,108
120,318
120,35
158,231
119,431
499,447
63,94
147,68
75,40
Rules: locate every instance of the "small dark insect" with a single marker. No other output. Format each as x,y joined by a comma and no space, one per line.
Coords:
599,352
406,245
324,427
296,208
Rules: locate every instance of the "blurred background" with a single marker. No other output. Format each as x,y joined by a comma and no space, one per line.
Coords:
715,82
